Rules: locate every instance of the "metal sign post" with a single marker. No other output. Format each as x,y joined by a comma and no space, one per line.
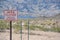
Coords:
10,15
10,30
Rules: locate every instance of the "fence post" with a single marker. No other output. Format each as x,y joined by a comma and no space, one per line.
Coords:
28,29
21,30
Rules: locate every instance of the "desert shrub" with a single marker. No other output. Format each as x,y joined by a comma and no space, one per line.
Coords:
16,28
32,27
3,25
55,29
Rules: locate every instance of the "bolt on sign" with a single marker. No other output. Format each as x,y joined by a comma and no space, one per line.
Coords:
10,15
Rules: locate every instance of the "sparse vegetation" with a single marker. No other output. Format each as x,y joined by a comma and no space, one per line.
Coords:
3,25
44,25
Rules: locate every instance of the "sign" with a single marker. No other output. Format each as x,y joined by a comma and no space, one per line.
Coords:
10,15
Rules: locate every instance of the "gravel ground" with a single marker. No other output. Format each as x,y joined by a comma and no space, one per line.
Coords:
34,35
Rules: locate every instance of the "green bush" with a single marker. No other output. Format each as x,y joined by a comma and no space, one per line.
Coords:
3,25
32,27
56,29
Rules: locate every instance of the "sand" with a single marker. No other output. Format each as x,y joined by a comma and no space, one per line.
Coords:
34,35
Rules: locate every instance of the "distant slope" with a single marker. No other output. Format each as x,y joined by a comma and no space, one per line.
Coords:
57,17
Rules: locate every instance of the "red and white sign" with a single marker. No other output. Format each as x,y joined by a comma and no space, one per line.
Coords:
10,15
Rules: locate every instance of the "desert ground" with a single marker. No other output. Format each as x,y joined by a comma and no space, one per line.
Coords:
34,35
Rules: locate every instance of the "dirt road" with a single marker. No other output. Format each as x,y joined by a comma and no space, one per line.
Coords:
34,35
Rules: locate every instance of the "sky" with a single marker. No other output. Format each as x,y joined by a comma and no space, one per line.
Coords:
31,8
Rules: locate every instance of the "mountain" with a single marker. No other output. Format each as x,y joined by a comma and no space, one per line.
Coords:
32,8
